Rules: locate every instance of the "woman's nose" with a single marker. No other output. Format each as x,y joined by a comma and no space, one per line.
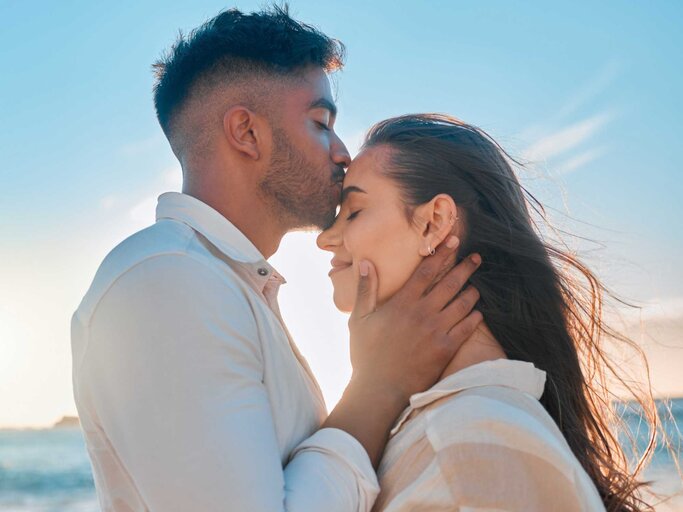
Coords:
329,239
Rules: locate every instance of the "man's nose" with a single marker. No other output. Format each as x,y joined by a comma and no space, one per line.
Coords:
340,155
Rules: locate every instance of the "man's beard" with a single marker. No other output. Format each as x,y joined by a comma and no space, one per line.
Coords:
299,193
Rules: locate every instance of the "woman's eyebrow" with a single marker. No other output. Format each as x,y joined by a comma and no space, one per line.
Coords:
347,190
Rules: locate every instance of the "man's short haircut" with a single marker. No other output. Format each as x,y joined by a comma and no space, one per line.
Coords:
233,45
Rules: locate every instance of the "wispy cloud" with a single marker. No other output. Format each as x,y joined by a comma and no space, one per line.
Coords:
569,146
578,161
598,84
566,139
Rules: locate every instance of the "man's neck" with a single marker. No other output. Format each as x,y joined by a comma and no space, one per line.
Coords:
244,209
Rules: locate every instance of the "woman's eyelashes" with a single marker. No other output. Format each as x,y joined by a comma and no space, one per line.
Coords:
353,215
323,126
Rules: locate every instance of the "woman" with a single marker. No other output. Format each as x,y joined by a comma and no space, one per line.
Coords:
517,420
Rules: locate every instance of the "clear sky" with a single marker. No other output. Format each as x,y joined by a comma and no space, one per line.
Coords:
588,93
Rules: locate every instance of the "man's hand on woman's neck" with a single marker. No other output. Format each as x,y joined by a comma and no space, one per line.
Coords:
480,347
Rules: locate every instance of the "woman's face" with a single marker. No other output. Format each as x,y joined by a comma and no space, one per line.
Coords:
372,225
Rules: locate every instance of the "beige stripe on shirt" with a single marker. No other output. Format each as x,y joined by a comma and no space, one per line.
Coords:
513,460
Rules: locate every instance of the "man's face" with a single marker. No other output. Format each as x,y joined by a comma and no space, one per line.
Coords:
305,176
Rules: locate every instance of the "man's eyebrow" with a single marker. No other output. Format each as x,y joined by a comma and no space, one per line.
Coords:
345,193
326,104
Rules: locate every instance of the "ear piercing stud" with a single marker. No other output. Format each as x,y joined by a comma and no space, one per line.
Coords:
452,220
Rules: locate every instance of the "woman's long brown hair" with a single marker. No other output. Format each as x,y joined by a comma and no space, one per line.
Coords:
540,302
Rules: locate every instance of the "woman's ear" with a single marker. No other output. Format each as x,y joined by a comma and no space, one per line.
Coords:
437,219
243,131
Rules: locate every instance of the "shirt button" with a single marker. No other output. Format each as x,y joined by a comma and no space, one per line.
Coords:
262,272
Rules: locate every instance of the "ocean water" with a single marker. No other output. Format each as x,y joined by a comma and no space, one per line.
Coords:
45,471
49,470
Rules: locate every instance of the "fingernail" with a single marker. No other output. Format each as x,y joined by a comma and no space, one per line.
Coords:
476,259
364,269
452,242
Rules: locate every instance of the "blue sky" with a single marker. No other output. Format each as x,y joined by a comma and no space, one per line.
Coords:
588,93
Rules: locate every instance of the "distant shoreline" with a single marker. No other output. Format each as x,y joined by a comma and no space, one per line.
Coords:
72,422
64,423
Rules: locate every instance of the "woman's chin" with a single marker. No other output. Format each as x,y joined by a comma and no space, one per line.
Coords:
343,304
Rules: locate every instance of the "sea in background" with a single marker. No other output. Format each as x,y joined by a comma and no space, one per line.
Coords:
49,470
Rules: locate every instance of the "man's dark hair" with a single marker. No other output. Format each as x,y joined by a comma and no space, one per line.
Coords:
234,44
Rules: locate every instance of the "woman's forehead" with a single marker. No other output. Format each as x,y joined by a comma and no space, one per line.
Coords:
367,165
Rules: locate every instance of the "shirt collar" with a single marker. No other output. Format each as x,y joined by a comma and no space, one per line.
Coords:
519,375
220,232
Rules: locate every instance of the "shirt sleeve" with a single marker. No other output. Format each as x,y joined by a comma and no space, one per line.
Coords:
481,455
174,370
492,455
482,476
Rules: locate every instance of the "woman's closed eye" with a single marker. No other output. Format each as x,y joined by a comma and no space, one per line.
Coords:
353,215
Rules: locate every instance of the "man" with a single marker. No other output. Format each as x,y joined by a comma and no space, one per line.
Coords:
191,394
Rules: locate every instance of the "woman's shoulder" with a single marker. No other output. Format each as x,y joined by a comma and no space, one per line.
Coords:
482,444
500,417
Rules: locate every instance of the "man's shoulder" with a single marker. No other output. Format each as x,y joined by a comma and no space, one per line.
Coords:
149,248
165,236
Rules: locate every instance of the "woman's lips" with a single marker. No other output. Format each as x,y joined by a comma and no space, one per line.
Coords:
337,269
338,266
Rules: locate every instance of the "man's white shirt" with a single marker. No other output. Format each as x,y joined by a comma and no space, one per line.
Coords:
191,393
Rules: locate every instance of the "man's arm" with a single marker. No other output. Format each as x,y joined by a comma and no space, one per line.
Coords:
175,373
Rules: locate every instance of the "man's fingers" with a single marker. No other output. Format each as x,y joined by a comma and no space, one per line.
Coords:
452,283
457,310
429,268
464,329
366,293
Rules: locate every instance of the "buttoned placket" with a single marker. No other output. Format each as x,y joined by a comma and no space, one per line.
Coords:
270,289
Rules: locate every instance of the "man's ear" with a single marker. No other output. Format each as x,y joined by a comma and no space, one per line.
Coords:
243,130
438,219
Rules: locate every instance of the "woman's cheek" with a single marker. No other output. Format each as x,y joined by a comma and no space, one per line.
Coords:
389,282
346,282
401,259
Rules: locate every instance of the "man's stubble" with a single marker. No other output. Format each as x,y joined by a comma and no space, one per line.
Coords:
299,194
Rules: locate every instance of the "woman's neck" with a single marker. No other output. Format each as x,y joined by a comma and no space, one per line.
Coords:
481,346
